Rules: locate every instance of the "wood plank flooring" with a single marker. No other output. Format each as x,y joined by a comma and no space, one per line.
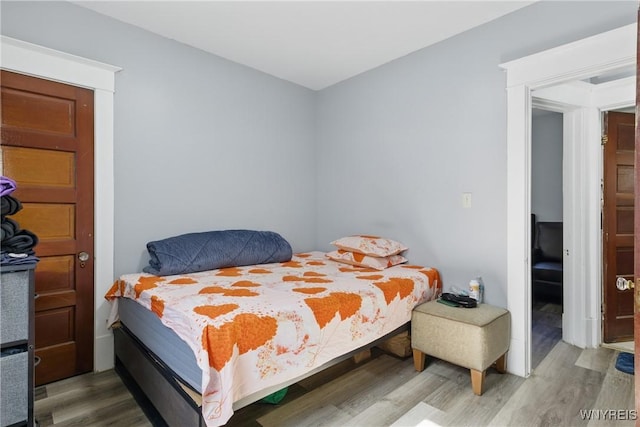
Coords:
387,391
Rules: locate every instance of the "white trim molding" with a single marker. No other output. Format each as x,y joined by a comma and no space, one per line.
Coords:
42,62
563,67
612,50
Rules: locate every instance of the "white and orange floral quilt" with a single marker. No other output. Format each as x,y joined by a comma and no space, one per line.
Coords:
258,326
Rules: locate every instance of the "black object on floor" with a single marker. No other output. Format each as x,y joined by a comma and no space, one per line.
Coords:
624,363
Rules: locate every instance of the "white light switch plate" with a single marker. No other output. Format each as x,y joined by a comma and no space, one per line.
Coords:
466,200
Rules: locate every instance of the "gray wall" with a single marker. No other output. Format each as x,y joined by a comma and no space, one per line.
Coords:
389,151
398,145
546,166
201,143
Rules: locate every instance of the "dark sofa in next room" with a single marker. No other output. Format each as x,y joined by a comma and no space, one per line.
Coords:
546,266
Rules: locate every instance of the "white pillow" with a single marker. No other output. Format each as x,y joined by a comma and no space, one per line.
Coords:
370,245
361,260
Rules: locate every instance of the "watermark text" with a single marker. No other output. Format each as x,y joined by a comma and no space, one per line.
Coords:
608,414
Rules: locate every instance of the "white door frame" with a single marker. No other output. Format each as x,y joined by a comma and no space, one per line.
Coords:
582,105
607,52
42,62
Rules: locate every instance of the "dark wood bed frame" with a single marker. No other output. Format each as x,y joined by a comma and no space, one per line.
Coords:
169,402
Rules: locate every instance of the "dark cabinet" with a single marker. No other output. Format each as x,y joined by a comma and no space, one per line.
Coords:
17,294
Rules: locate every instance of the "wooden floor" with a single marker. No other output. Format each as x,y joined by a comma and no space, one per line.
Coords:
386,390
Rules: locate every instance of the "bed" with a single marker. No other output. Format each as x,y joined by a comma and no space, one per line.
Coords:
202,344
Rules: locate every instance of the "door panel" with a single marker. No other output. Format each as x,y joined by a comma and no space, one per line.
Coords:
40,167
56,326
618,233
38,112
636,311
55,272
47,148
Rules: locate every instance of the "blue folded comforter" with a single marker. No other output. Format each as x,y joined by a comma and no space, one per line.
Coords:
209,250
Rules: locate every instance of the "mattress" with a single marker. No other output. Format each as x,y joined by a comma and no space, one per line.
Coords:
254,327
162,342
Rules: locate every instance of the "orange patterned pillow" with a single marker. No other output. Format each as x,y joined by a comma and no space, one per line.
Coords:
370,245
361,260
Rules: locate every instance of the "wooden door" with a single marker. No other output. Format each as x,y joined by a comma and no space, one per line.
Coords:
47,148
636,312
618,224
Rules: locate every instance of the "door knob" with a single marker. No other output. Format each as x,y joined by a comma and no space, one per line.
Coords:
83,257
624,284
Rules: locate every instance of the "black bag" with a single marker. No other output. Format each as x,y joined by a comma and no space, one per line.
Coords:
459,300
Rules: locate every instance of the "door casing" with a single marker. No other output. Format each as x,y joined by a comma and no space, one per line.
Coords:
611,51
582,106
27,58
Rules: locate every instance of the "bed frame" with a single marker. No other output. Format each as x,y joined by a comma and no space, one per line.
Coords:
166,400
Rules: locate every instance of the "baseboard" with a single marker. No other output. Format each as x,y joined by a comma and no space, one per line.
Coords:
103,353
516,359
626,346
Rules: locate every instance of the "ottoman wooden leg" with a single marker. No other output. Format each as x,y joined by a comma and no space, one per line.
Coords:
501,364
418,360
477,381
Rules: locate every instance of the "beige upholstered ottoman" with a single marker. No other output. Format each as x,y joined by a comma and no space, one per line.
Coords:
474,338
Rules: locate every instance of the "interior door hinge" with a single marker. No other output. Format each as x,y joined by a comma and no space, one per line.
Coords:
604,139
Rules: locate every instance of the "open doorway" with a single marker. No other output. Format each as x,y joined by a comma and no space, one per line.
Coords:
567,164
575,63
546,232
568,171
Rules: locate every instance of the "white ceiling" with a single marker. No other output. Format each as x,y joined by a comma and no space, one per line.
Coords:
312,43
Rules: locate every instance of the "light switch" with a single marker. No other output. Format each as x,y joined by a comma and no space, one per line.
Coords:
466,200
